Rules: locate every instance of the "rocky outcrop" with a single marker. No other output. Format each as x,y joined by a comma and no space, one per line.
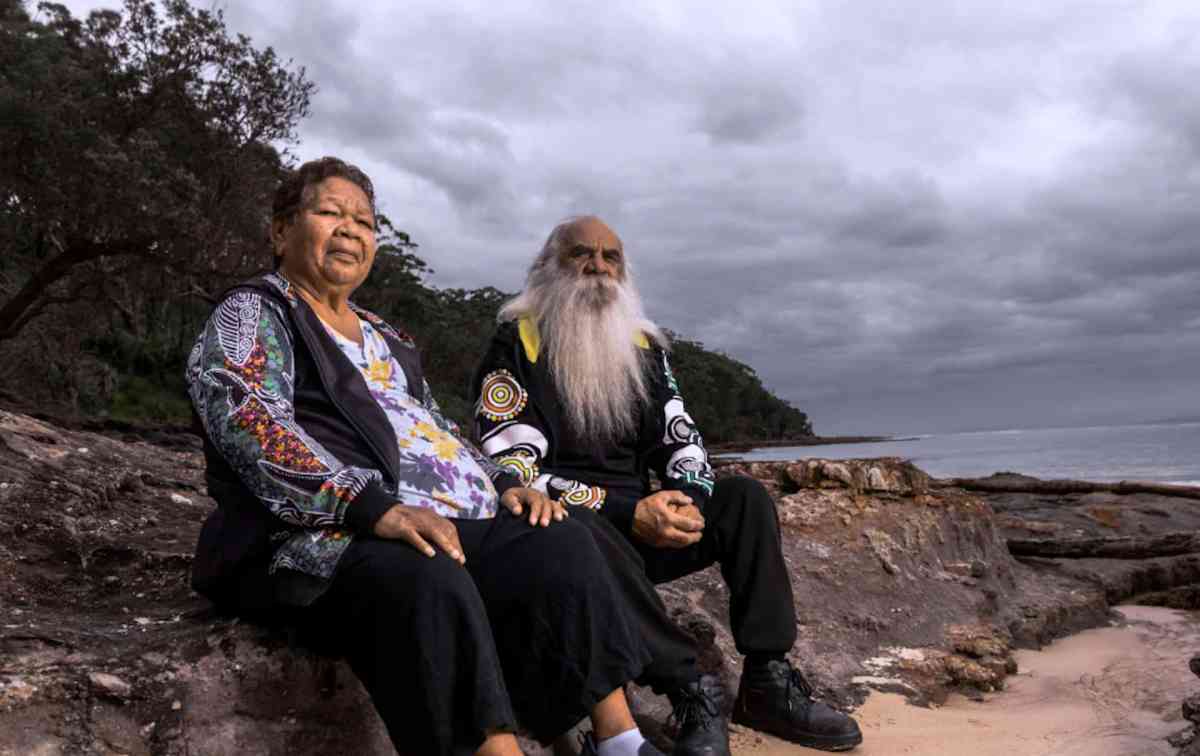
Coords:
1135,547
904,586
900,585
103,647
1107,547
1016,483
1188,739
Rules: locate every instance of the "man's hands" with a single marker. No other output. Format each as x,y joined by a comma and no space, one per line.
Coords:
667,519
541,508
419,526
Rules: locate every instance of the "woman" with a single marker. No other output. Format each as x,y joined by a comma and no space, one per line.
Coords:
343,492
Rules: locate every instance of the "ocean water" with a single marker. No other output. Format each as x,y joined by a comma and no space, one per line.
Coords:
1163,453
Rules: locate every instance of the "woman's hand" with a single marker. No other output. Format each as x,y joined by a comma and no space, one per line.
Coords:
541,508
415,525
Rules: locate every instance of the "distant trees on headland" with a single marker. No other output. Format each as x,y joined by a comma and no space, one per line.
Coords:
139,151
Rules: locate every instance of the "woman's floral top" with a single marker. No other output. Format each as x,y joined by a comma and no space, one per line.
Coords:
444,474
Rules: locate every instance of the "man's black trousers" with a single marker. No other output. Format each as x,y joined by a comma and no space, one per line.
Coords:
533,629
741,534
672,651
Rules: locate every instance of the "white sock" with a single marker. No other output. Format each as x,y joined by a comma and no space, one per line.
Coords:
625,744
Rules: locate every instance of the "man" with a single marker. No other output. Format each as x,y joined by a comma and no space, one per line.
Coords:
576,396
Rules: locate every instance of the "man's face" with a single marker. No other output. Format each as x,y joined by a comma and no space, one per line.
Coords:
330,245
592,249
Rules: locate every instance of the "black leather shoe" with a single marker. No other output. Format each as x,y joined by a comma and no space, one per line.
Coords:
776,699
587,747
699,723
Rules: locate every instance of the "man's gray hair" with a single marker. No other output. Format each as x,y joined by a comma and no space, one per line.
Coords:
588,326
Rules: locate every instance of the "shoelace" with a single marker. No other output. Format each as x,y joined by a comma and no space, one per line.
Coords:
796,680
694,706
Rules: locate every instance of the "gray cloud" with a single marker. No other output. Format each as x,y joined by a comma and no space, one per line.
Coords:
906,217
745,106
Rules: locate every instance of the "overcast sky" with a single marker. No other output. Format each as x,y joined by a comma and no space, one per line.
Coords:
907,217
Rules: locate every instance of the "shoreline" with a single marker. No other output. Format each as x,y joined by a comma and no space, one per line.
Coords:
1101,456
739,447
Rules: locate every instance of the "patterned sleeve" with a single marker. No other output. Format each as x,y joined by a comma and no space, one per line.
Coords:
240,379
677,455
502,477
512,434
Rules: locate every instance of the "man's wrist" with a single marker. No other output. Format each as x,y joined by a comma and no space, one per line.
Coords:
698,495
620,512
505,482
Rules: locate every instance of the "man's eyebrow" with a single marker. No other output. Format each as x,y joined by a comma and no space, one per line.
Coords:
588,248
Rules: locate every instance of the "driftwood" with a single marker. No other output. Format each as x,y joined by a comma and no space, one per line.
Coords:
1005,484
1110,547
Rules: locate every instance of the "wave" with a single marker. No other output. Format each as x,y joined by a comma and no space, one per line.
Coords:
1121,426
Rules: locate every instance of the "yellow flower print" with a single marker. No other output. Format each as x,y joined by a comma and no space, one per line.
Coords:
448,501
446,448
424,430
379,372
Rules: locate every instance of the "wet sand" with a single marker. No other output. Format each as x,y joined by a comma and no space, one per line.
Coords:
1111,691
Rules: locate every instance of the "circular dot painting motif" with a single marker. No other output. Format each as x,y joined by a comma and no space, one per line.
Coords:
501,397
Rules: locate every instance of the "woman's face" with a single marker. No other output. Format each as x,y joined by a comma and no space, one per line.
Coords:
330,245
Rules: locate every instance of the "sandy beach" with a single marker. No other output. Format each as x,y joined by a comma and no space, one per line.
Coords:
1111,691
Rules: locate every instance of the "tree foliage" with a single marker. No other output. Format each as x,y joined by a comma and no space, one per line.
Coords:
139,151
133,144
727,399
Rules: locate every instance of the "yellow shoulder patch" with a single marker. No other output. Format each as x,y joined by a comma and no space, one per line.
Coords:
531,338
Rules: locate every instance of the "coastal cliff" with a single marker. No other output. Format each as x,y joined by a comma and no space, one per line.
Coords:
902,583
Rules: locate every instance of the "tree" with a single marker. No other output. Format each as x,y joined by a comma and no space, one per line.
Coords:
135,147
727,398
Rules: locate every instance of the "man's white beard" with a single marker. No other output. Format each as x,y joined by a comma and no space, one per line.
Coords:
588,326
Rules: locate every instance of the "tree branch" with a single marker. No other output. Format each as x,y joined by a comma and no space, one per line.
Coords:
32,297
